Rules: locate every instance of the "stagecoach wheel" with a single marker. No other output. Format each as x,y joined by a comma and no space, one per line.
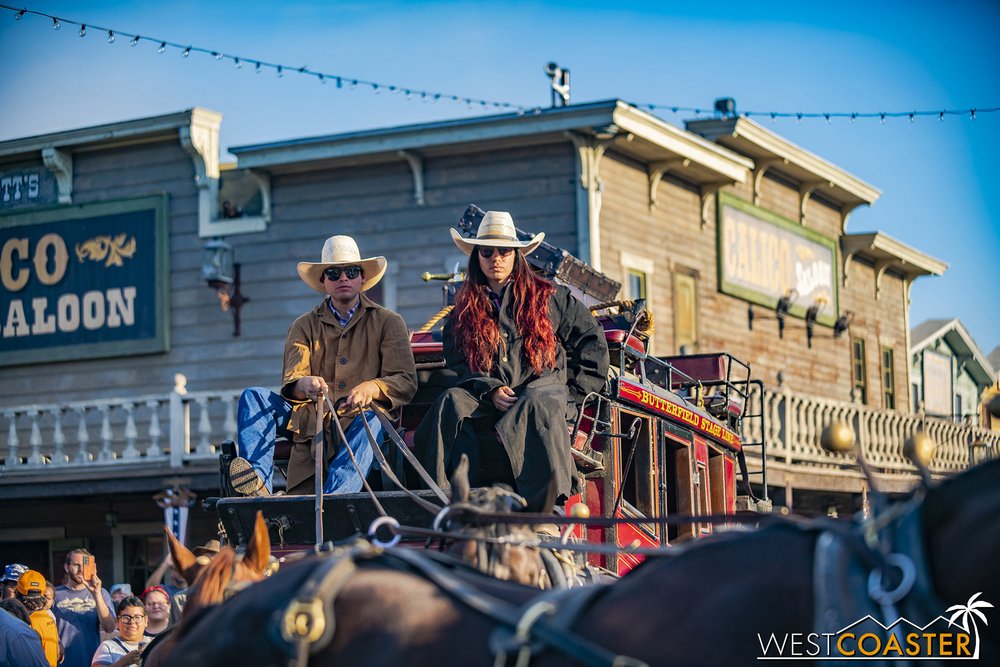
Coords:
837,437
919,449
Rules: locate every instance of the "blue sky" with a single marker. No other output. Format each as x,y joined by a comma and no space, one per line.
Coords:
939,179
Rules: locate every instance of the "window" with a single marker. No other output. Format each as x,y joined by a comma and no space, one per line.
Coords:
685,313
637,274
958,408
636,284
859,370
915,387
888,379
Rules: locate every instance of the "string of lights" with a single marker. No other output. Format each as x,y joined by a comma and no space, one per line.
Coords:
342,81
829,115
258,65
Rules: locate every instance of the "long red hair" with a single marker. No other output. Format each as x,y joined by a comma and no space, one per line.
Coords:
476,330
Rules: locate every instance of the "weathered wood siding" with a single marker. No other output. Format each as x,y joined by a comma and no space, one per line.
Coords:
672,236
375,204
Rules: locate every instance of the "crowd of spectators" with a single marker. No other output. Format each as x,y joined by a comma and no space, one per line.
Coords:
80,623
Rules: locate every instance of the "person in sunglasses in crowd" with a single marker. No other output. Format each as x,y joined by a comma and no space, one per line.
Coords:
347,348
526,352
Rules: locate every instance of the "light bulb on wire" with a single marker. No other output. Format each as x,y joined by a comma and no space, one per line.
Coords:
111,36
83,30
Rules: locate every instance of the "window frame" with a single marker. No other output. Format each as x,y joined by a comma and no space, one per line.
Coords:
859,368
888,357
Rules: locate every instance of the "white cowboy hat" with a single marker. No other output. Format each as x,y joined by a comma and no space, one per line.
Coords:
497,231
342,251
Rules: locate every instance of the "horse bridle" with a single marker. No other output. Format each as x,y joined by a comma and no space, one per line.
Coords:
889,547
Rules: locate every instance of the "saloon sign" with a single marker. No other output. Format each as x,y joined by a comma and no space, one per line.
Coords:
83,281
762,257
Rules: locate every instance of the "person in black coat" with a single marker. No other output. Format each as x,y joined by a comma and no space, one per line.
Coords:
526,353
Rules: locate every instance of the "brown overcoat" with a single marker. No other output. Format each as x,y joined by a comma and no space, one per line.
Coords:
375,345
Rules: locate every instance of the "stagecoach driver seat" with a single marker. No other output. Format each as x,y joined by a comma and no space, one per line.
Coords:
526,352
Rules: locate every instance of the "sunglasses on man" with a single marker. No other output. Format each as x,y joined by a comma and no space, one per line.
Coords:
333,272
486,253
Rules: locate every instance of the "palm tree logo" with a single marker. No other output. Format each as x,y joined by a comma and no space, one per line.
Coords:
969,611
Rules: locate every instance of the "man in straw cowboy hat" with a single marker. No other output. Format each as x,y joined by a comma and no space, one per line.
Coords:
348,347
526,352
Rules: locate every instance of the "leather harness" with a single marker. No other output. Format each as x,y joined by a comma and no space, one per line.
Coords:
306,626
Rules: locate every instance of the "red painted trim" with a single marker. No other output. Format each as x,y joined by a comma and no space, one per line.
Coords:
658,403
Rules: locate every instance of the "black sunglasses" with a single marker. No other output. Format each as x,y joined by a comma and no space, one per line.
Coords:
486,253
333,272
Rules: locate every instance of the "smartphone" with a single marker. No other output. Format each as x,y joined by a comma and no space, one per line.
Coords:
89,568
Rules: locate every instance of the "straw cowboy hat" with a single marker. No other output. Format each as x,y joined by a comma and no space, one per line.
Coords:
342,251
497,231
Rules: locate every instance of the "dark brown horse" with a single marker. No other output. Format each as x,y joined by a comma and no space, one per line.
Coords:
727,600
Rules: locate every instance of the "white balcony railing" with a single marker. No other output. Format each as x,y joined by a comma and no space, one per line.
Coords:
181,428
167,430
793,424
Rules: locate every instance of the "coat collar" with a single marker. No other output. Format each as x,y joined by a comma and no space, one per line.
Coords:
322,311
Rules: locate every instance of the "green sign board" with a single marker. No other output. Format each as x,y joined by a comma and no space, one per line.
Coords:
84,281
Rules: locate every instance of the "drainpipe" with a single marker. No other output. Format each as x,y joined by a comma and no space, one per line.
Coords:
589,151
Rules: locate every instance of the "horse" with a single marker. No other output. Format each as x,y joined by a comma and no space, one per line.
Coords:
212,582
723,600
502,550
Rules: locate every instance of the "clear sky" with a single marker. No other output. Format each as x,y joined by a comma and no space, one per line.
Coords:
939,179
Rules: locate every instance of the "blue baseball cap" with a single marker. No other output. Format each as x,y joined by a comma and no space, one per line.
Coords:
14,571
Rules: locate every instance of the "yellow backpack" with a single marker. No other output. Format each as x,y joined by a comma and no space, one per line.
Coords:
45,625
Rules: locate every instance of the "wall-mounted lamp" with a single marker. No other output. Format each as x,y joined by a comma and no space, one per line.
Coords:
781,310
812,312
784,306
842,324
223,275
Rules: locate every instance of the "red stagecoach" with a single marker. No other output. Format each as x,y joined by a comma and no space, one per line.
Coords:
663,438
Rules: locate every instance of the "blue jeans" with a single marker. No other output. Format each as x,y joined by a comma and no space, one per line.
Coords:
262,414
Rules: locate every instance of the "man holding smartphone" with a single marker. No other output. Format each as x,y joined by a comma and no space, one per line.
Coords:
82,608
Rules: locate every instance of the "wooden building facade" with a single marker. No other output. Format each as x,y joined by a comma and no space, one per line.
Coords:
709,223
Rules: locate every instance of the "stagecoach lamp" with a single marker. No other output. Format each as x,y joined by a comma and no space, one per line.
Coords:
580,511
919,448
837,437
